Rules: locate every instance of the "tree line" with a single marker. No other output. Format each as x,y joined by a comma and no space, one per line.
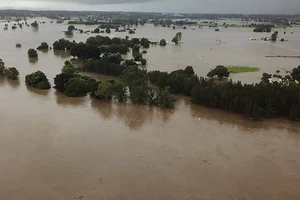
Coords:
256,101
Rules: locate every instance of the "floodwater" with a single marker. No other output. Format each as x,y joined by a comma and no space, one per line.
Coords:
56,147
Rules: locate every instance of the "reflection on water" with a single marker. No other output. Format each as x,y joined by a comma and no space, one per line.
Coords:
69,36
35,29
62,54
63,100
44,50
133,116
104,108
223,118
37,91
11,83
33,60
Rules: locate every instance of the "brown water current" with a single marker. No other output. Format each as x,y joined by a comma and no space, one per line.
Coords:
53,147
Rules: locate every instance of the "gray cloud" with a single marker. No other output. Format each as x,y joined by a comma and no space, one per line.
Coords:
99,2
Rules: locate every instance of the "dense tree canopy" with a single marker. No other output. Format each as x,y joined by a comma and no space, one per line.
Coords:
38,80
137,82
189,71
138,57
256,101
109,89
116,41
12,73
32,53
61,80
123,49
296,73
103,66
179,81
85,51
163,42
165,99
62,44
76,87
145,43
113,48
68,69
135,49
43,46
263,28
220,71
71,28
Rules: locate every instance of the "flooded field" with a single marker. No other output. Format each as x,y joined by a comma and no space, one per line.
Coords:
199,48
56,147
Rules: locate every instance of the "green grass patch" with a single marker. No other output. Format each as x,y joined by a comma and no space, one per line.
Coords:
242,69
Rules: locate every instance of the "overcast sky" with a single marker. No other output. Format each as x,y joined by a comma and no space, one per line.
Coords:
189,6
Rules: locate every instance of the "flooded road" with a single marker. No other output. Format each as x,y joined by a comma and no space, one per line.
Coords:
56,147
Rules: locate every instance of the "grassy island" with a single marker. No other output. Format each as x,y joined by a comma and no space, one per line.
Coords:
242,69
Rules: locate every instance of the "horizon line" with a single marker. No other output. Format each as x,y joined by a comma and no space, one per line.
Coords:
64,10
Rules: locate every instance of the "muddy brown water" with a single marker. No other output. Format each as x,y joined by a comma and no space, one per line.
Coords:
56,147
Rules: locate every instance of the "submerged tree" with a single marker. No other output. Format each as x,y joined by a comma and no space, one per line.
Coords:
38,80
35,24
220,71
71,28
165,99
61,80
145,43
175,40
107,30
274,36
109,89
32,53
163,42
12,73
137,82
76,87
43,46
